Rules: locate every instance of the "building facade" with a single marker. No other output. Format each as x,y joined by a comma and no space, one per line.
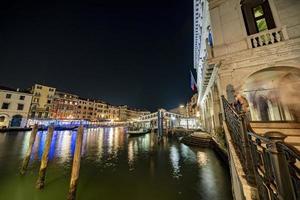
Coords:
86,109
64,106
255,55
102,110
15,105
193,109
41,101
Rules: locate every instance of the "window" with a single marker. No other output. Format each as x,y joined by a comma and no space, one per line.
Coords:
39,87
8,96
22,97
20,106
260,20
5,106
2,119
49,101
257,16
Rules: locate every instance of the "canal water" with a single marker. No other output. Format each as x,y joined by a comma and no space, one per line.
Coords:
113,167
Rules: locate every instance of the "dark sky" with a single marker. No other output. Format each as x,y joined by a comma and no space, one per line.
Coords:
124,52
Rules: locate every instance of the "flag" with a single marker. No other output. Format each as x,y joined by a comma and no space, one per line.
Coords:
193,83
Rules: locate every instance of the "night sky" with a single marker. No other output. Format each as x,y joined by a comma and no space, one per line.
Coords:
130,52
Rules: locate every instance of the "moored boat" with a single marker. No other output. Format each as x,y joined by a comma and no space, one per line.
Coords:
136,132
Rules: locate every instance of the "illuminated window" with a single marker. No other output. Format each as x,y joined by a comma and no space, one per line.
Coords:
260,20
257,16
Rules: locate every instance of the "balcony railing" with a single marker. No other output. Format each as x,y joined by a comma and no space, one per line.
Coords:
275,164
267,37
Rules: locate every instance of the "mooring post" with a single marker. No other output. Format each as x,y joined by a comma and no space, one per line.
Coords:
76,165
44,163
160,122
29,150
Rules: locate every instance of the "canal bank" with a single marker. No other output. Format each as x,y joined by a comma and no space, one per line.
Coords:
113,166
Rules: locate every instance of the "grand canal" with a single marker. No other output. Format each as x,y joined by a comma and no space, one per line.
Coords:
113,166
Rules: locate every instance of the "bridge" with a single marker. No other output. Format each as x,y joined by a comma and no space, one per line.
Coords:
163,121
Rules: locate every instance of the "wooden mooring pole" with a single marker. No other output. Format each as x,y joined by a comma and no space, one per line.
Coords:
76,165
44,163
29,150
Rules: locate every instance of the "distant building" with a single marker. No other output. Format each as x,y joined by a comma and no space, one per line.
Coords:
15,105
192,107
181,110
114,112
86,109
64,106
127,113
101,109
41,101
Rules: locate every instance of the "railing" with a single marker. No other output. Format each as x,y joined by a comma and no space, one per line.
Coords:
276,165
237,129
267,37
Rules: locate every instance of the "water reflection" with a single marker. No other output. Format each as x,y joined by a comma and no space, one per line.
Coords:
159,169
202,158
174,156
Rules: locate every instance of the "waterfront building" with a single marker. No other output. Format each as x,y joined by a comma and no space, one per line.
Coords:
64,106
127,113
253,57
253,54
193,109
41,101
181,110
113,112
15,105
86,109
101,109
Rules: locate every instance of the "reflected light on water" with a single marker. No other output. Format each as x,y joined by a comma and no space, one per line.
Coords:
130,155
174,157
25,144
100,144
188,154
202,158
64,144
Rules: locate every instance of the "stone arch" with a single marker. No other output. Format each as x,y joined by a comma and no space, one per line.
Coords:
4,120
272,94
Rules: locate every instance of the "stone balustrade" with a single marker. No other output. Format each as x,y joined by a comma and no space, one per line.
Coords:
267,37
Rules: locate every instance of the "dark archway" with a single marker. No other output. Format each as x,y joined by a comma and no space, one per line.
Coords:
16,121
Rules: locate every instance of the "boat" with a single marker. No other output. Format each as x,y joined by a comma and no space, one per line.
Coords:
137,132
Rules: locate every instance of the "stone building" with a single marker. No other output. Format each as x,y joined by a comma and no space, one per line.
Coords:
102,110
15,105
193,109
41,101
86,109
254,53
64,106
127,113
113,112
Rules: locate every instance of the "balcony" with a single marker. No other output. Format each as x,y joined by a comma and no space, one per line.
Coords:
267,37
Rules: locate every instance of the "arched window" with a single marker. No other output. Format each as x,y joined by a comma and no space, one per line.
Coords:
2,118
257,16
